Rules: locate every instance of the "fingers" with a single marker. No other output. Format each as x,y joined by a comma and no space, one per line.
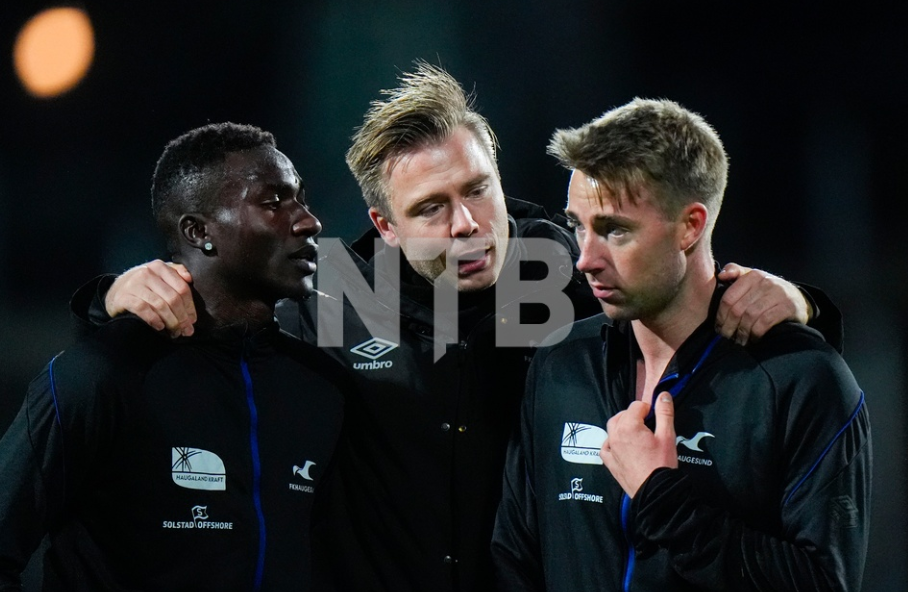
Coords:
726,318
739,308
756,302
179,282
611,431
181,269
605,452
631,452
733,271
158,293
665,418
630,418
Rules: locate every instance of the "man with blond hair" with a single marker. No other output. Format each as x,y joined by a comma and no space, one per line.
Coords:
726,467
423,302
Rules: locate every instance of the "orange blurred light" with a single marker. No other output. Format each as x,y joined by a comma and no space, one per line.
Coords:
53,51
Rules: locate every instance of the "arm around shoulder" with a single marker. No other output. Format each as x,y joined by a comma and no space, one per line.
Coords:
826,317
156,292
87,304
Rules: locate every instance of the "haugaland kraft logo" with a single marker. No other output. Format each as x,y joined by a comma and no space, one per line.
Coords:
580,443
194,468
373,349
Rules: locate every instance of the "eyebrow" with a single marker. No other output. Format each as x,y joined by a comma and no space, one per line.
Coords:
440,195
475,182
602,218
281,185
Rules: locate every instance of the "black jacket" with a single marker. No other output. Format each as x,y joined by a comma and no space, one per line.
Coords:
158,464
425,440
772,490
424,448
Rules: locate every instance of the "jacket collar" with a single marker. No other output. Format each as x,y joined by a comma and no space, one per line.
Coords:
621,351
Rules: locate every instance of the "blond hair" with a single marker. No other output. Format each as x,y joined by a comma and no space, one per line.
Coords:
657,142
424,110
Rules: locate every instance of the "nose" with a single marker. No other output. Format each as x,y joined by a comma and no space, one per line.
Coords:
591,254
462,222
306,223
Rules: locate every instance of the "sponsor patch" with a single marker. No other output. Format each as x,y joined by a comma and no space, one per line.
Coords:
194,468
580,443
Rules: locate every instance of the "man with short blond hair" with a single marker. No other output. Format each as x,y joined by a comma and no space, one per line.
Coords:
726,467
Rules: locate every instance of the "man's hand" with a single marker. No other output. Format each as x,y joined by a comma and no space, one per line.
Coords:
158,293
631,452
756,302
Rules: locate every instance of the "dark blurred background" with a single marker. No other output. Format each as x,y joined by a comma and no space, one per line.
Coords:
811,102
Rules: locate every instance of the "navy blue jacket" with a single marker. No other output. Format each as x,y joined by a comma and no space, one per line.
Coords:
772,491
158,464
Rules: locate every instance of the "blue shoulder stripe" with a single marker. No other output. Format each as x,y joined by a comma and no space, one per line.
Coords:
826,450
53,394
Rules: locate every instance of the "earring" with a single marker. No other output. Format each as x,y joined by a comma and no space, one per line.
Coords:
209,246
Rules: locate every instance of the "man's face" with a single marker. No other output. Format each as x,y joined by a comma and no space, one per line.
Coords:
262,228
448,196
630,254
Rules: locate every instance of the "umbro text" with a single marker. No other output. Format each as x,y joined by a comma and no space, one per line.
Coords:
373,365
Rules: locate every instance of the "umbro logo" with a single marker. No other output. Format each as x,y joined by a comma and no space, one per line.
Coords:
194,468
373,349
580,443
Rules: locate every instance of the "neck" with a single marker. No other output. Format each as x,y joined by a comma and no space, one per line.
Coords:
217,306
660,337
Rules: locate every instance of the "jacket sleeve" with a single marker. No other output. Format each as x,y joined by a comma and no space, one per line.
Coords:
33,497
820,540
87,304
516,552
827,318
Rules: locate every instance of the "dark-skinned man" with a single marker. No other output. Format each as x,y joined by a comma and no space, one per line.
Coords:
193,463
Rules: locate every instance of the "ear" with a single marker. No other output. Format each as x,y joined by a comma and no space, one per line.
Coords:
693,221
385,228
194,230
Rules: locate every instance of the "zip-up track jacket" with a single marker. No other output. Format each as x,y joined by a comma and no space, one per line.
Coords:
772,491
425,440
170,465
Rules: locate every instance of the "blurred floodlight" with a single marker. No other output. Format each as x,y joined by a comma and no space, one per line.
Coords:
53,51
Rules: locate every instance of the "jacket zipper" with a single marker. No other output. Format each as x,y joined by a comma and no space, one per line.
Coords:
625,500
629,564
256,472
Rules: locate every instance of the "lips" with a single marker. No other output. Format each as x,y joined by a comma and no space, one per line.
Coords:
307,255
469,263
602,291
